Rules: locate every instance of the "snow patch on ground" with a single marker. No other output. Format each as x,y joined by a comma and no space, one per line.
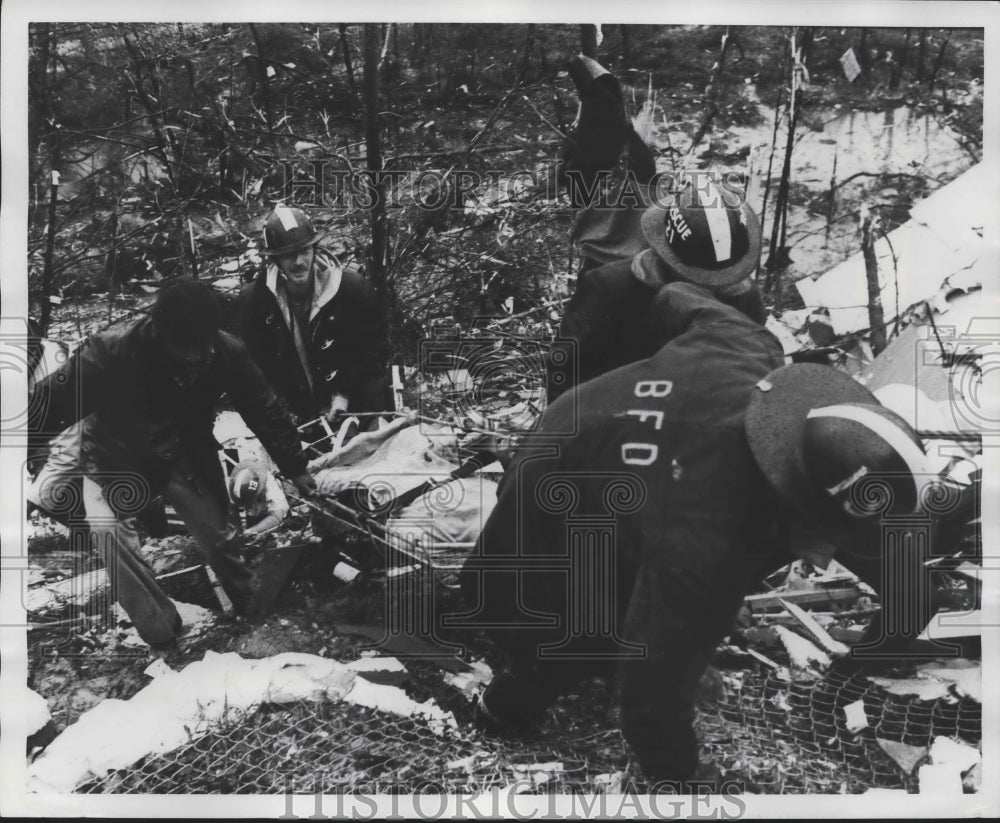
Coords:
180,706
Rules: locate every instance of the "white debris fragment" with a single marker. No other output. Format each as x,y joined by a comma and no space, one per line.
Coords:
463,763
33,708
610,783
936,680
470,682
157,668
950,759
856,717
376,664
74,591
394,700
803,655
905,756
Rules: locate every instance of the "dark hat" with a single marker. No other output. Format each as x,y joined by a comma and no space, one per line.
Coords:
187,307
816,433
288,230
704,239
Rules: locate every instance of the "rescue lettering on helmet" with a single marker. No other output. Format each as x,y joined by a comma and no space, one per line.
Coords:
653,388
678,224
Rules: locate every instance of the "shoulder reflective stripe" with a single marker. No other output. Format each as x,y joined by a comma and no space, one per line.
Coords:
287,218
718,226
911,454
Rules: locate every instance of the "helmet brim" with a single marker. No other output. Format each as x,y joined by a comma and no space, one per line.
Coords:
776,419
294,247
652,230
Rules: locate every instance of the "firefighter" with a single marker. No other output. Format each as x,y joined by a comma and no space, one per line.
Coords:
702,235
314,327
634,521
147,395
661,441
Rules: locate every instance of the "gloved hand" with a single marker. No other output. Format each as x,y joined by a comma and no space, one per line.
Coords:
305,483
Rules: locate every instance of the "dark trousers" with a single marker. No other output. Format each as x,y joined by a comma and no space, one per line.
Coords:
205,513
683,615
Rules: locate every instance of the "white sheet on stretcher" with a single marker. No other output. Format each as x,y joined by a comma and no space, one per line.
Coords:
397,459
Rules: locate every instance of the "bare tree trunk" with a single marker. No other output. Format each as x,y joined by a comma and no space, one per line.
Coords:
777,257
937,64
876,317
626,45
373,144
39,106
921,55
864,58
265,93
588,40
50,244
345,50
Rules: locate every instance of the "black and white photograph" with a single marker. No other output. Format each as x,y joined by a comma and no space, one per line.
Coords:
463,412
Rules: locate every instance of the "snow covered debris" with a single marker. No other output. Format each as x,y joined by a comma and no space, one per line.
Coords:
394,700
376,664
196,620
805,658
75,591
177,707
950,759
941,679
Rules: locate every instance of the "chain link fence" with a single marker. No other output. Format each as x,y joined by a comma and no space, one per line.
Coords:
770,735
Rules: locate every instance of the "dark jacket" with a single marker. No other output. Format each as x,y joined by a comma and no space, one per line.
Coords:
346,340
607,322
649,464
143,421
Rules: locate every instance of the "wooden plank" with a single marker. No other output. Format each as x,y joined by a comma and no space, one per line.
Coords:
814,629
821,597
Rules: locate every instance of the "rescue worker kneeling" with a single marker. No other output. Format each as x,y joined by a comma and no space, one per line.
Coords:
634,521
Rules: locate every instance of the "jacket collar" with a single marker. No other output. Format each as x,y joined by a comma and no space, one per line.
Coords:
648,268
327,276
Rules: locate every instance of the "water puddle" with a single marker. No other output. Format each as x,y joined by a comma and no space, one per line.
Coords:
887,160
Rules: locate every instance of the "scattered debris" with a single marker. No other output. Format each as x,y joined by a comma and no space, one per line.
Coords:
950,760
904,755
825,597
856,717
804,657
815,630
932,681
473,681
385,670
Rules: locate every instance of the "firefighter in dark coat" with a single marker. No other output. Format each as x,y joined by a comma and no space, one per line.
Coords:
649,502
315,328
704,236
147,396
644,476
